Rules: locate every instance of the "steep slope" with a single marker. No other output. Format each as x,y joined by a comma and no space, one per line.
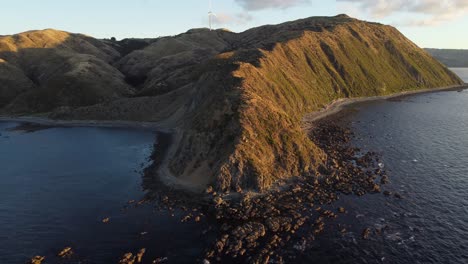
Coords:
53,68
451,57
289,70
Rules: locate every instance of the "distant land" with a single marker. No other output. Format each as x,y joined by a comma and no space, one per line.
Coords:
233,102
451,57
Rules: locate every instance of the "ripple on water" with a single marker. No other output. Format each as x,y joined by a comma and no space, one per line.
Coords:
57,184
427,163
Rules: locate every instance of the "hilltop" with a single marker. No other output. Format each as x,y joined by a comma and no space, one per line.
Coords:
233,101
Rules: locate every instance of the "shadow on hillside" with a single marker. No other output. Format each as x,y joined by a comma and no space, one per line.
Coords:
55,73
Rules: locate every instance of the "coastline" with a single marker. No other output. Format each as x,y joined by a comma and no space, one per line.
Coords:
161,170
309,118
252,219
338,105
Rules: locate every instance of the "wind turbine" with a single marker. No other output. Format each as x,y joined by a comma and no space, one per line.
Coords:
211,15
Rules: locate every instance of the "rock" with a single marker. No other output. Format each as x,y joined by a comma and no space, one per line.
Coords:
209,190
128,258
140,255
276,224
66,252
328,214
219,245
366,233
341,210
197,219
160,260
37,260
384,179
387,193
186,218
218,200
376,188
250,231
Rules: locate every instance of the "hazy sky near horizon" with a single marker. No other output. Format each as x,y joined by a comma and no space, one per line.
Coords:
429,23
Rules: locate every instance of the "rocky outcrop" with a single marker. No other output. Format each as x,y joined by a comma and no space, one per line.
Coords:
236,101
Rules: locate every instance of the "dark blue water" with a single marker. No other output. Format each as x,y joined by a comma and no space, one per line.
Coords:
56,186
462,73
423,141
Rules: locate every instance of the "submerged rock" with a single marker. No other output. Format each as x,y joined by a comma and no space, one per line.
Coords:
66,252
37,260
128,258
276,224
366,233
140,255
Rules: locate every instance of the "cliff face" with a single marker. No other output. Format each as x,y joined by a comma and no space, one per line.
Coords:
235,101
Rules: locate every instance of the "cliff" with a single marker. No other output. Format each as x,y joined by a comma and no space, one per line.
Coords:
235,101
247,133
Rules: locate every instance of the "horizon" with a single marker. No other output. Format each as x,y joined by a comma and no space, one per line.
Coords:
428,24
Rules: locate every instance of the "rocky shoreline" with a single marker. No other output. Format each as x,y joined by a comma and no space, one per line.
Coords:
260,228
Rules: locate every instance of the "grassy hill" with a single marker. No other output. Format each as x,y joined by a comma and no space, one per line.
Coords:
278,74
234,101
43,70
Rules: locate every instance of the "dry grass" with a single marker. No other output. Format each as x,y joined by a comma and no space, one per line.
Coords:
279,85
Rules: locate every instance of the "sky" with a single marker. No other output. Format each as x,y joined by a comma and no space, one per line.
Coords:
429,23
